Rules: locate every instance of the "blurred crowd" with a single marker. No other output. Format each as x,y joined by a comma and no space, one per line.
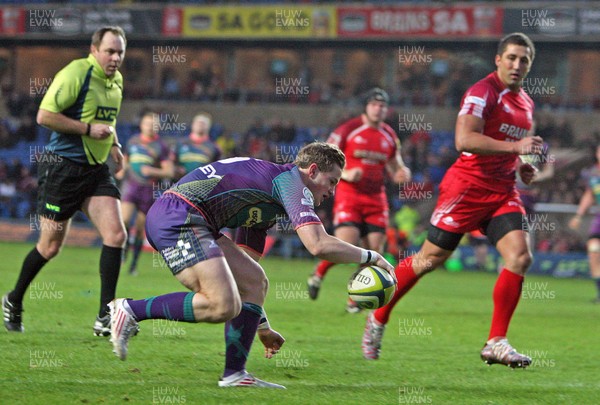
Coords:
427,153
441,82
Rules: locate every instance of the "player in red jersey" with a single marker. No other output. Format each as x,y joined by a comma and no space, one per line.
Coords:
478,192
360,207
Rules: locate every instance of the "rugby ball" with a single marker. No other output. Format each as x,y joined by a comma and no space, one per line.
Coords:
371,287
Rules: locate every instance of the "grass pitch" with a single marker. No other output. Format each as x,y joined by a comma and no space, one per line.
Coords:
430,349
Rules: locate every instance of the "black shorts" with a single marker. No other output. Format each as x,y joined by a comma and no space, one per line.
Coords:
63,186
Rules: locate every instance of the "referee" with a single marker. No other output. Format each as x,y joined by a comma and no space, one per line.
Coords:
80,107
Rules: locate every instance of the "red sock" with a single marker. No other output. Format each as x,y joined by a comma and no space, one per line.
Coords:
406,280
323,267
507,293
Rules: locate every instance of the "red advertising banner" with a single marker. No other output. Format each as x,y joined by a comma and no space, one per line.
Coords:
172,21
12,20
429,22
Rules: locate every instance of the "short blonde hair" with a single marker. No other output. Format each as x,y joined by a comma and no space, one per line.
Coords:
206,117
325,155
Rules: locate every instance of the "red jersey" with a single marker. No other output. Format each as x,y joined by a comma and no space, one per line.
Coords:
508,117
367,148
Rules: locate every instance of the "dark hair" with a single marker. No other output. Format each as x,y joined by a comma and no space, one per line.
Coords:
325,155
516,38
376,94
99,34
149,113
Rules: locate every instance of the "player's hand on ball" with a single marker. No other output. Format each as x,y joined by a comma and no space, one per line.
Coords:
272,340
380,261
527,172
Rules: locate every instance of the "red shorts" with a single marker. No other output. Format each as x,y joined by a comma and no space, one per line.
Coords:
360,209
464,207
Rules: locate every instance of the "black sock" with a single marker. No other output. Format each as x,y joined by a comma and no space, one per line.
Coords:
110,266
597,280
32,265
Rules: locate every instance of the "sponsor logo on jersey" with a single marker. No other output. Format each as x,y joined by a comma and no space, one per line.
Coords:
513,130
254,217
210,171
308,199
106,113
360,139
178,254
52,207
370,154
450,222
309,214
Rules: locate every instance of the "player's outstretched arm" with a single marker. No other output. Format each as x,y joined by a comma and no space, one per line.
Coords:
319,243
269,337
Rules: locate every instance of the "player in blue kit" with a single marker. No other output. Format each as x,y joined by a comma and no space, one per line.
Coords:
227,283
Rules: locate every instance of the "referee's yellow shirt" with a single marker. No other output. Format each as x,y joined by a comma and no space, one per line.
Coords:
83,92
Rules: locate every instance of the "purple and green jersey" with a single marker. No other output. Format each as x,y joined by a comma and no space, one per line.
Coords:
140,153
593,182
248,194
191,155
